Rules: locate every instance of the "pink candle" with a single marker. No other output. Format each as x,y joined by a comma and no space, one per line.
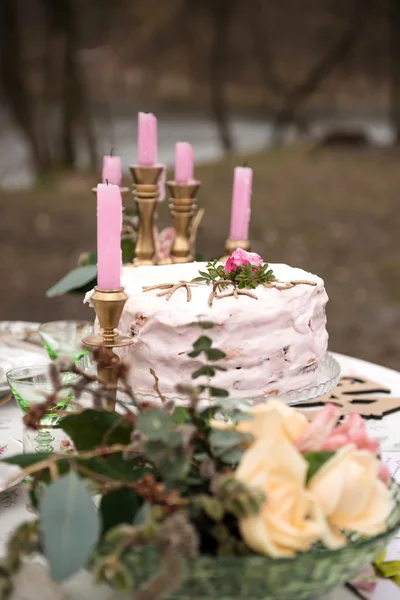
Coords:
241,203
112,170
109,224
147,139
184,162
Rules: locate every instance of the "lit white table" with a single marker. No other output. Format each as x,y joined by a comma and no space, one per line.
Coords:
10,421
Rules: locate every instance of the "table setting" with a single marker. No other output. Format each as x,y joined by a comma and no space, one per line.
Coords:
198,430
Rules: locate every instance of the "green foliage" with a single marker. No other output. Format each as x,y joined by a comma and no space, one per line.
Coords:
389,569
93,428
79,280
156,425
118,507
244,276
203,345
229,446
315,461
70,526
82,279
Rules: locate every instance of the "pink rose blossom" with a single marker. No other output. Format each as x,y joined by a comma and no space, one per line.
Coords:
323,433
241,257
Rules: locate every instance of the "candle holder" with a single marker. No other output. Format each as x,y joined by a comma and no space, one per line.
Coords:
183,207
108,305
146,193
231,245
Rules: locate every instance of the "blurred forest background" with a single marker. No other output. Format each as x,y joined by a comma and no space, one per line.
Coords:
306,91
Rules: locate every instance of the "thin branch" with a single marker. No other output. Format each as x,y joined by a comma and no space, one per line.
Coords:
157,387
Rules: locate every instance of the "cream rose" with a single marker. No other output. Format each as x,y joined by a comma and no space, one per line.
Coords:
290,520
267,420
350,493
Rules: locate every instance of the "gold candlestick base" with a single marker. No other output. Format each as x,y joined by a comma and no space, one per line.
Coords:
146,195
231,245
183,208
108,305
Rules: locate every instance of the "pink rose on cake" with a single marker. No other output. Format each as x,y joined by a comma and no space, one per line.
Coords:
241,257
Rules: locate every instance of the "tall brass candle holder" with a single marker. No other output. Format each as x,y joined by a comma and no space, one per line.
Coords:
108,305
146,195
231,245
183,207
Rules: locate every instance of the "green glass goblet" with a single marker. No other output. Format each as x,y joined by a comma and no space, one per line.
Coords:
29,385
64,338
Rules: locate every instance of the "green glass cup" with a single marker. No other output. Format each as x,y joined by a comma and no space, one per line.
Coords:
29,386
64,338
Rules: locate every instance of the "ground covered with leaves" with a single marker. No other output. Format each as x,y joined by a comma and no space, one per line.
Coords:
331,212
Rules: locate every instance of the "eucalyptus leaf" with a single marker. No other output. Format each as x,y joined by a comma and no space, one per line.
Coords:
155,424
74,280
180,415
231,457
222,439
70,526
26,460
119,506
93,428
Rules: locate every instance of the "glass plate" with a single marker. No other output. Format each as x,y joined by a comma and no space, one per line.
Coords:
326,379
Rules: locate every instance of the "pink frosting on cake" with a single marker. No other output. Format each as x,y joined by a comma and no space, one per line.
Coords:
273,344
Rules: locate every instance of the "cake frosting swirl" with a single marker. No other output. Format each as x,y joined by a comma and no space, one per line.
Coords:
273,342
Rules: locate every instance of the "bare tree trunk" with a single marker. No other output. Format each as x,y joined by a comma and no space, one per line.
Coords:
394,65
15,90
333,57
221,13
293,99
74,103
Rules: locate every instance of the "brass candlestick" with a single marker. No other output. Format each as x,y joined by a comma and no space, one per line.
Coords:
183,207
231,245
146,194
108,305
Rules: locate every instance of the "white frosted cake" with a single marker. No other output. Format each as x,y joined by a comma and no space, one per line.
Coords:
273,341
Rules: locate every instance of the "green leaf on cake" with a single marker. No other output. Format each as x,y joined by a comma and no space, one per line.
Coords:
204,371
215,354
315,461
218,392
80,280
70,526
203,324
201,345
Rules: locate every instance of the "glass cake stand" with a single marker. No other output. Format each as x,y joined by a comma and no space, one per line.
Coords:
326,379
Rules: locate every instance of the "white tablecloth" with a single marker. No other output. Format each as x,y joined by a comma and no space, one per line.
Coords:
13,510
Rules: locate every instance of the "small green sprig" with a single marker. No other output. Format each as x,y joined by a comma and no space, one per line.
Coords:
203,345
244,276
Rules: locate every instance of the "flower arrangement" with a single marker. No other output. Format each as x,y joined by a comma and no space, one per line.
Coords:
242,269
154,486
